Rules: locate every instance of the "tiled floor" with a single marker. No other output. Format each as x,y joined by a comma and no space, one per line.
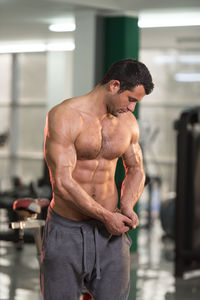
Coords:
18,273
151,271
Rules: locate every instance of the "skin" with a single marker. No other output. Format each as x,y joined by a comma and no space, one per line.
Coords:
84,137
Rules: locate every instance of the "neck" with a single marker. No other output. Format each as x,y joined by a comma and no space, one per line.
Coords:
98,101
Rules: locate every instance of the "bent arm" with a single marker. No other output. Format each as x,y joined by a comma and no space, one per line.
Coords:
133,183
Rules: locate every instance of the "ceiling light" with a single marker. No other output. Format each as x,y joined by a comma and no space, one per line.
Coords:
187,77
189,59
22,47
69,46
37,47
169,19
65,27
165,59
175,58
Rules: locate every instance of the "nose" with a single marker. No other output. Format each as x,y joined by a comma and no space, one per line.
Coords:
131,106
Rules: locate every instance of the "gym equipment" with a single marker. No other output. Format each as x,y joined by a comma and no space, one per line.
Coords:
187,206
20,190
3,138
27,210
167,211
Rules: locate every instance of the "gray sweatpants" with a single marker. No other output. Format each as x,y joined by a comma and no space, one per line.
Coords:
83,253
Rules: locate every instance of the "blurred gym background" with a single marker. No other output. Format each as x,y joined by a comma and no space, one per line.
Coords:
41,65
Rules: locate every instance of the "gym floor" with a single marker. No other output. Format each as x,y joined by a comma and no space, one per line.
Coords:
151,271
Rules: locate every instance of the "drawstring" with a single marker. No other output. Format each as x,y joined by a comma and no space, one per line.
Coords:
97,264
97,253
84,250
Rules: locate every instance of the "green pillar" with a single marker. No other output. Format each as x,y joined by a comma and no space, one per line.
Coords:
122,41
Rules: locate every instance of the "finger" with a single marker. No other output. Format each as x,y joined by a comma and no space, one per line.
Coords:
126,228
134,222
136,225
137,221
128,221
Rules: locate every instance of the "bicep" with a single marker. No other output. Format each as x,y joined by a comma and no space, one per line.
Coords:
132,158
61,159
60,135
60,155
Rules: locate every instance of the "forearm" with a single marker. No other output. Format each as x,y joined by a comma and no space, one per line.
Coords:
81,200
132,188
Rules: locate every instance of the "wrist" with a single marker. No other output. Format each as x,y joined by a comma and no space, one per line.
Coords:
106,216
126,206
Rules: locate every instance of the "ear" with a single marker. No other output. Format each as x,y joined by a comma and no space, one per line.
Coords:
114,86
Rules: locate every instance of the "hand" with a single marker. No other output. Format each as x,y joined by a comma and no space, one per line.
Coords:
131,215
118,223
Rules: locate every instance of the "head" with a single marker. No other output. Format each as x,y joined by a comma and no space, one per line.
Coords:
131,80
129,73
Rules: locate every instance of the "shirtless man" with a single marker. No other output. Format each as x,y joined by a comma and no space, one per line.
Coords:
85,240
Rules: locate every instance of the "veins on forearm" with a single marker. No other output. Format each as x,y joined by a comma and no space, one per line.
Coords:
132,187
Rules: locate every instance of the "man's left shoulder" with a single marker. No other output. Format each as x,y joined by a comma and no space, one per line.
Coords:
132,123
131,119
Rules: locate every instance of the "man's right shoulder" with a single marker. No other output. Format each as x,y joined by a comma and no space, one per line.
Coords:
64,120
64,111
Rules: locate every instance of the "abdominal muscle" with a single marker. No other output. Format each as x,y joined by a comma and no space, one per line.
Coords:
97,181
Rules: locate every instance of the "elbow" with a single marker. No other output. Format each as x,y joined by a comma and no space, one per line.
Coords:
57,188
60,187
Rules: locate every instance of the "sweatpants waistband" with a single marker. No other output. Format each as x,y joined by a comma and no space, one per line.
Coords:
72,223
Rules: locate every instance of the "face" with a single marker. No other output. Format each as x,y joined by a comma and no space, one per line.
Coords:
125,101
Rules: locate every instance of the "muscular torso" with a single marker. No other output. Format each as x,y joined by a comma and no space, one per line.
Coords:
98,147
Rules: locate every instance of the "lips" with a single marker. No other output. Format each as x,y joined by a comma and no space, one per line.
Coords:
123,110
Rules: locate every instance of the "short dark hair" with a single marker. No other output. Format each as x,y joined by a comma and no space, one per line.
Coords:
130,73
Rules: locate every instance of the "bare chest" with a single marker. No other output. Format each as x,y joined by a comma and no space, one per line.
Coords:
108,139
